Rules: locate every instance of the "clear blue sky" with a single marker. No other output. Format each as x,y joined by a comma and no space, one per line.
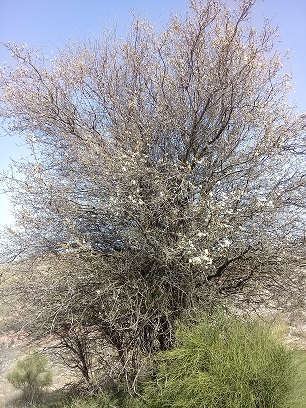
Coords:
52,23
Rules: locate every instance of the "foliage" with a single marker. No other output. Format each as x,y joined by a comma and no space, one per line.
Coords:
165,169
106,399
298,395
31,375
223,362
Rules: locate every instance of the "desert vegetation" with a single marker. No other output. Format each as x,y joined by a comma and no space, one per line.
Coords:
166,179
31,375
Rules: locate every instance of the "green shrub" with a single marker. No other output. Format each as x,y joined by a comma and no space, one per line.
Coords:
31,375
110,399
222,363
298,395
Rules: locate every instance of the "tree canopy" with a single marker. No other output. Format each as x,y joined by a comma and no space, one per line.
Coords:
166,167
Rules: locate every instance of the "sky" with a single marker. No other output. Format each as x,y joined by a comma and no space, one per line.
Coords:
50,24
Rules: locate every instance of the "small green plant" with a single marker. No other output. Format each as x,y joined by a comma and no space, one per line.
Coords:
105,399
298,395
31,375
222,362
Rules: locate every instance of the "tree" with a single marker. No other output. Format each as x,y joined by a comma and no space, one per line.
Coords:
166,168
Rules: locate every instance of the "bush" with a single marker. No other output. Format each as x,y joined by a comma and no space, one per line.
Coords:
222,363
108,401
31,375
105,399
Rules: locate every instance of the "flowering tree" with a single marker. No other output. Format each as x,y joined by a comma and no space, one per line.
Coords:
165,168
